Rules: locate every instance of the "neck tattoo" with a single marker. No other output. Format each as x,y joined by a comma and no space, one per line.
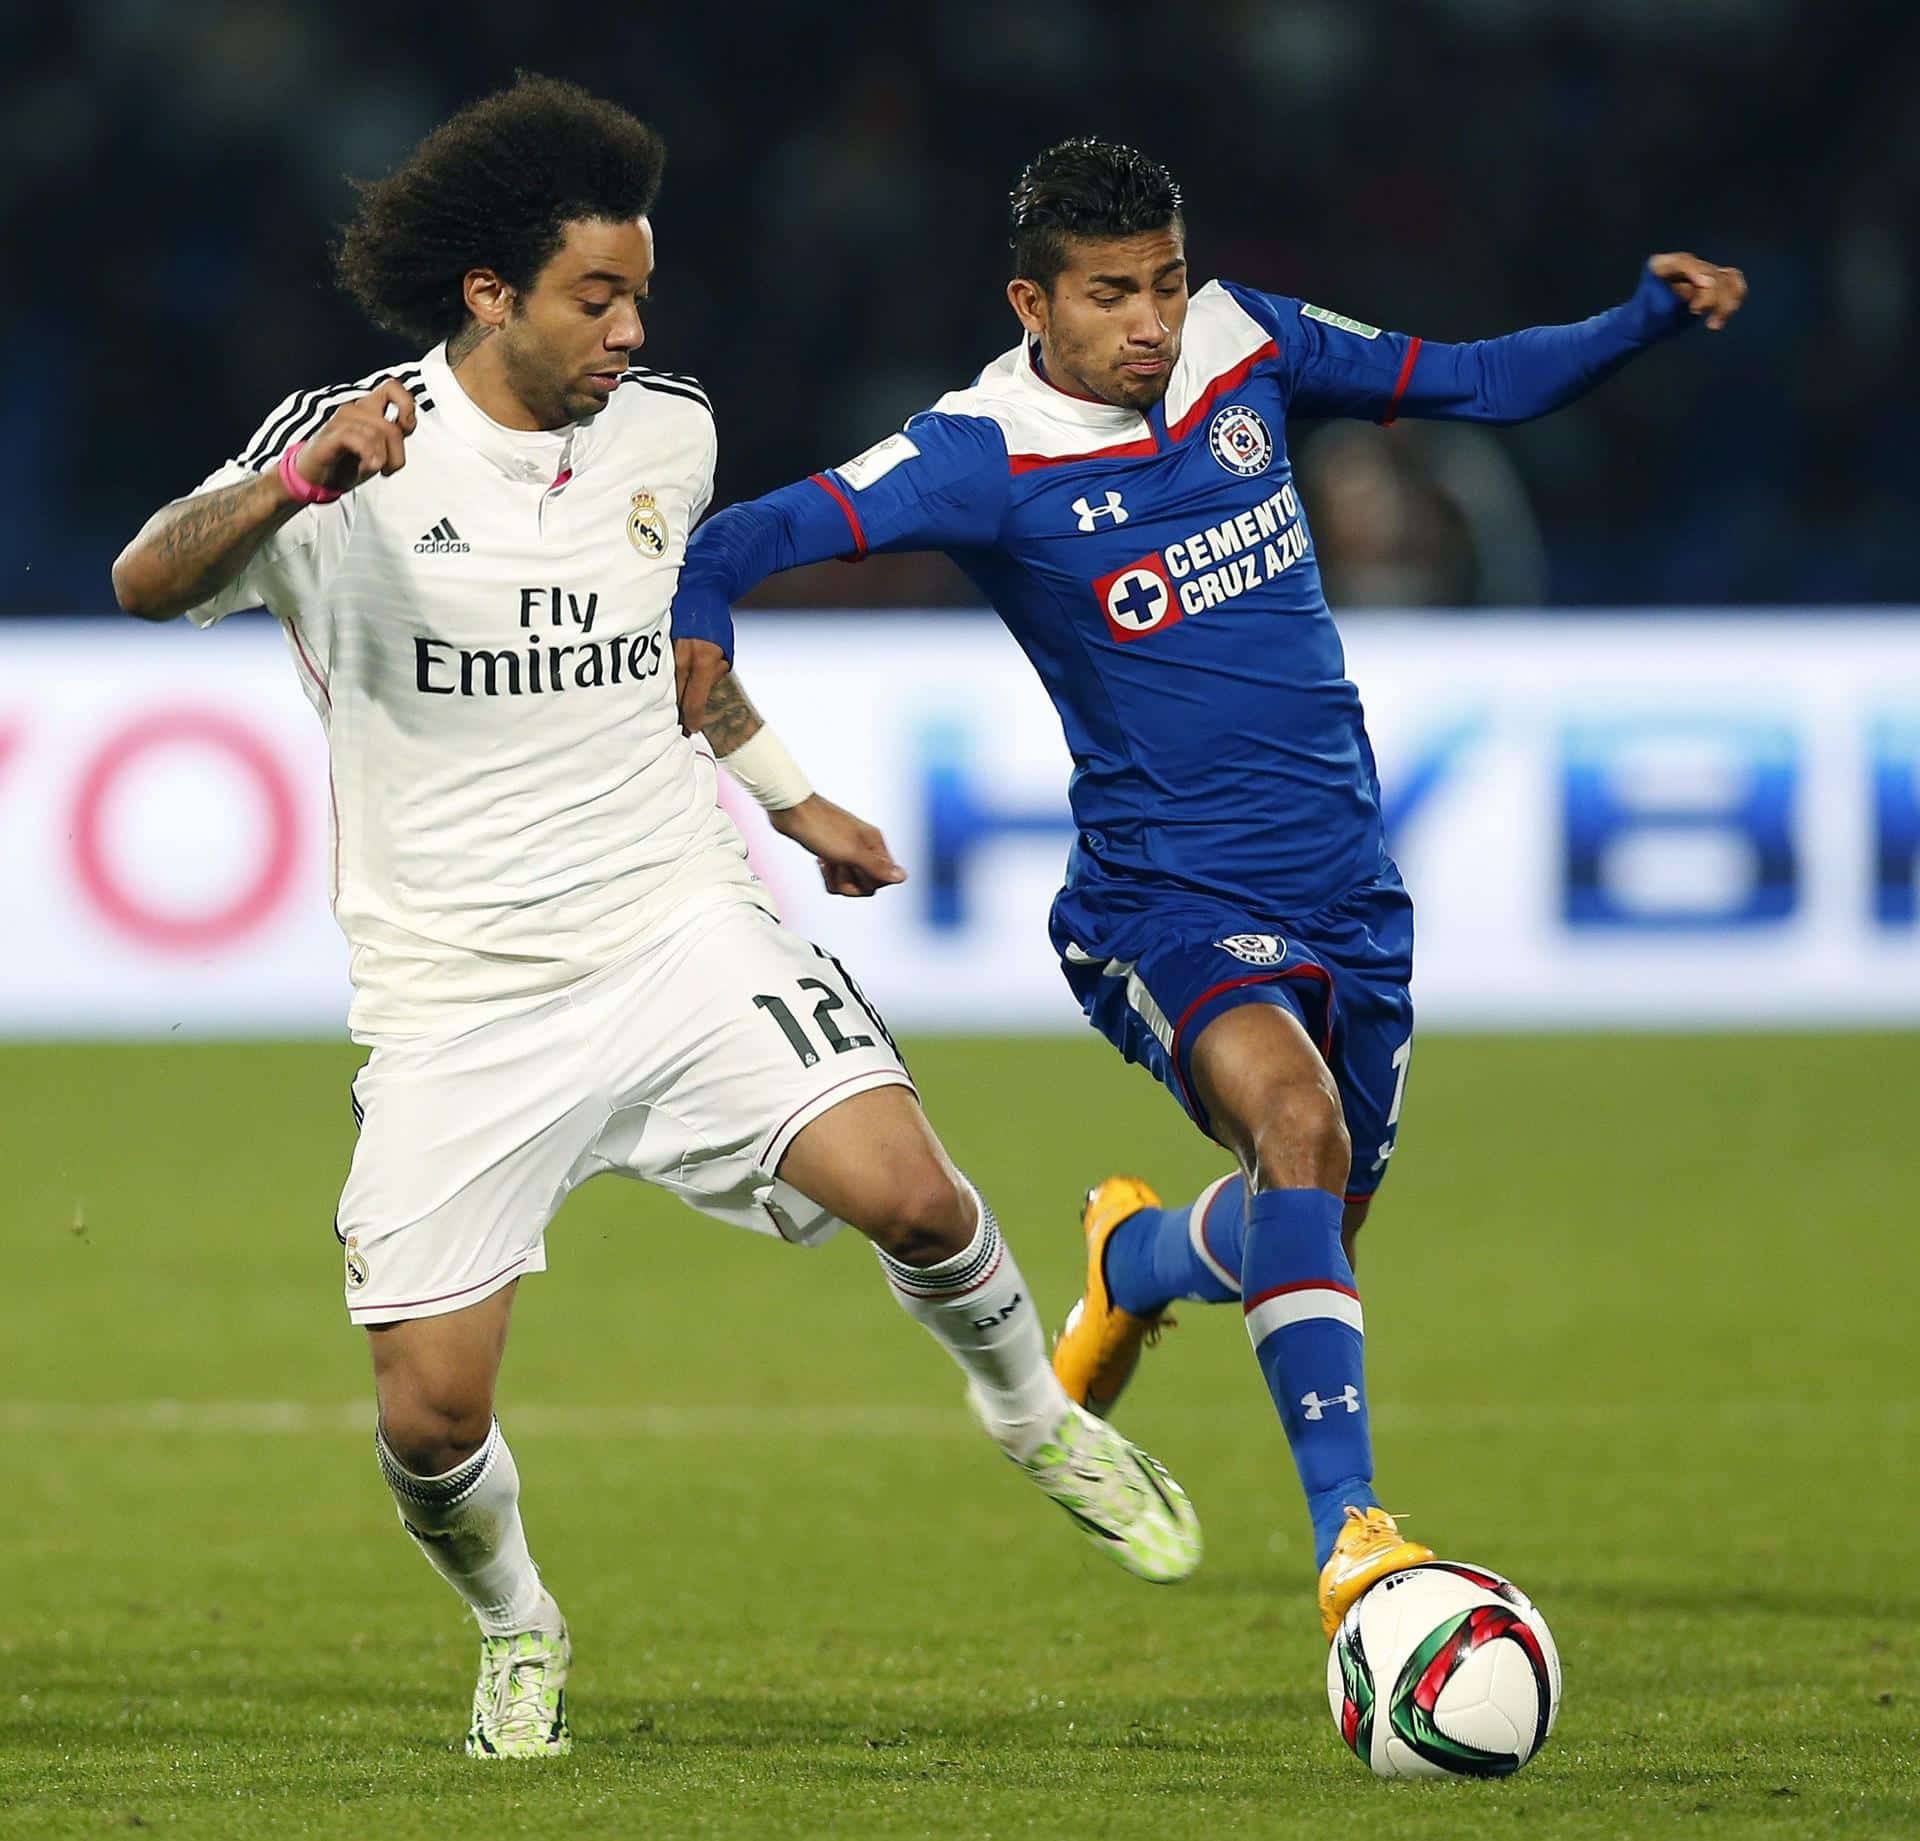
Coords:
467,341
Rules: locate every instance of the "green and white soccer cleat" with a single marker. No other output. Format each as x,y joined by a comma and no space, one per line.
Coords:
1121,1499
520,1701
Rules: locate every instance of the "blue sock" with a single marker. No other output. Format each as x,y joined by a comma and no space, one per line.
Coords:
1303,1318
1161,1254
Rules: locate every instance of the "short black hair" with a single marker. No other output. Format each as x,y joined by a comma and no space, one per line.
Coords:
1085,188
493,187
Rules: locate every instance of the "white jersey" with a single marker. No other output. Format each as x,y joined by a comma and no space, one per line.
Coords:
486,637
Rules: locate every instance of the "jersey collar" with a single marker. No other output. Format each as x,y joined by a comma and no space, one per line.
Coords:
1102,419
534,457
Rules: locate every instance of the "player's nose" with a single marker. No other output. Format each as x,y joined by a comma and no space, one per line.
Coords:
1147,328
625,333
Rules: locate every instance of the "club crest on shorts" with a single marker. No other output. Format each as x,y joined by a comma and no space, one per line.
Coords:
1254,948
646,526
1241,441
356,1263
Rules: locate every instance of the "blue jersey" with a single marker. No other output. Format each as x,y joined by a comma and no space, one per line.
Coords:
1158,571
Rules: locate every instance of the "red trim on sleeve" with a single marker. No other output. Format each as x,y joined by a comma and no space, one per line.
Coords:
1401,382
846,504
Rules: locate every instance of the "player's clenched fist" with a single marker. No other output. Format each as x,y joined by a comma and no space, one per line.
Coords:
1711,292
367,436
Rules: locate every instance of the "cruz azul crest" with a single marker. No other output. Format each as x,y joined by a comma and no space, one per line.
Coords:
1255,948
1240,440
646,527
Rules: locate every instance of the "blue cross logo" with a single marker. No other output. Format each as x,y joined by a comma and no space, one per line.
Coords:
1137,600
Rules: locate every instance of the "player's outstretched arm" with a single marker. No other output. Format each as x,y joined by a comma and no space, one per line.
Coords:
732,553
1342,367
940,483
191,549
853,856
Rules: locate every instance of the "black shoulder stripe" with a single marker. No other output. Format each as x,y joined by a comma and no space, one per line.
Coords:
310,408
644,374
664,389
266,437
672,377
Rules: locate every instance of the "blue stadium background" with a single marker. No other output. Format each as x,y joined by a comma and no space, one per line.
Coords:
832,248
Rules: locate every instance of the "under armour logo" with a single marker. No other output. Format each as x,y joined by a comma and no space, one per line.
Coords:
1349,1397
1091,514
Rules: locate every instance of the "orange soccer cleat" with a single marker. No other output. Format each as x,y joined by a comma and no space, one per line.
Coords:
1369,1548
1099,1345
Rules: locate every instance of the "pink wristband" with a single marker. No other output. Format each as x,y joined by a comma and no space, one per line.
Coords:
304,491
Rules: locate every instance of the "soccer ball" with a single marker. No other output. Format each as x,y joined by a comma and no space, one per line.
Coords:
1444,1670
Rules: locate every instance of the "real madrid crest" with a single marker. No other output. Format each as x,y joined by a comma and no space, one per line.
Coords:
646,526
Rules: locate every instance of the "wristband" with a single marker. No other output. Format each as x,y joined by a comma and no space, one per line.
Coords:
301,489
762,767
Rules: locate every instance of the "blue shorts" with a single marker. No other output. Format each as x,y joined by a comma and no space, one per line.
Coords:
1151,973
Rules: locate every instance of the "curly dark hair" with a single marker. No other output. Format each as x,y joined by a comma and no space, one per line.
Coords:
1085,188
494,187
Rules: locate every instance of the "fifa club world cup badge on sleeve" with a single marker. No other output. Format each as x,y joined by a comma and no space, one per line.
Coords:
646,527
1240,440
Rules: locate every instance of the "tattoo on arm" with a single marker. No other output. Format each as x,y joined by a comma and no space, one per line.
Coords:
204,542
731,719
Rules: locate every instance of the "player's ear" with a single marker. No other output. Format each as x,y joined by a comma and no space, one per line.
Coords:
1029,303
488,298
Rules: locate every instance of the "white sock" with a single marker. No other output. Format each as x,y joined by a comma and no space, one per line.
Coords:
467,1523
978,1308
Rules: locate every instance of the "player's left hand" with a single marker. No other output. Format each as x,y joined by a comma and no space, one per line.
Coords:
698,665
854,858
1712,293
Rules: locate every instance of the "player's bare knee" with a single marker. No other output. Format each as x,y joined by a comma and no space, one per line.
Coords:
926,1215
431,1434
1299,1139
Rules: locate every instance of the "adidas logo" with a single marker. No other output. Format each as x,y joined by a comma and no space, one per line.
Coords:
442,540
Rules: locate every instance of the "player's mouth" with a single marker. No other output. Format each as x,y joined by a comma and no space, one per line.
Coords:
603,383
1147,367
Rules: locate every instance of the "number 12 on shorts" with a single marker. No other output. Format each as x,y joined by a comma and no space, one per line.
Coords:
823,1020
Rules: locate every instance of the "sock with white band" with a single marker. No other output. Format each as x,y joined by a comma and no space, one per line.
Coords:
979,1309
467,1523
1303,1319
1160,1254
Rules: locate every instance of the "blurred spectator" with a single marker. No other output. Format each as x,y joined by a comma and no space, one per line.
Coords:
1423,515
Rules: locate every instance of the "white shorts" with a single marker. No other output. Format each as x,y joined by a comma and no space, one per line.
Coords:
692,1064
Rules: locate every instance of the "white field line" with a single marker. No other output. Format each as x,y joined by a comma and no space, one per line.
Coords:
828,1420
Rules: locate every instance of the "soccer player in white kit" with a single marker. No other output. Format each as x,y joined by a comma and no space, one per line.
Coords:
561,962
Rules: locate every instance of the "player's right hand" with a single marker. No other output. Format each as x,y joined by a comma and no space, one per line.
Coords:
367,436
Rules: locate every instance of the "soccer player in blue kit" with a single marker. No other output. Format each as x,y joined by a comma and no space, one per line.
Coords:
1117,485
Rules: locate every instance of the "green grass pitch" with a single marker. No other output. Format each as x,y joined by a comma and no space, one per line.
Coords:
1642,1334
